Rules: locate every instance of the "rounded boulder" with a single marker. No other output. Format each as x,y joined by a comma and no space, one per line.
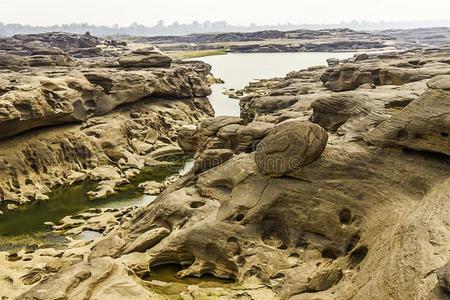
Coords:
290,146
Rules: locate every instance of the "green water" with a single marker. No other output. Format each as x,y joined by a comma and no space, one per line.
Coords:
168,272
27,221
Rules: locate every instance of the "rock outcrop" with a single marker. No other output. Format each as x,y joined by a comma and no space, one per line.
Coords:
353,210
302,40
68,122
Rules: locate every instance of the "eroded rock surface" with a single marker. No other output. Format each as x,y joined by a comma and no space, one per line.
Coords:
290,146
91,120
363,212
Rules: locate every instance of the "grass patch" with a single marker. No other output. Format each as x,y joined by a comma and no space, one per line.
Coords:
195,53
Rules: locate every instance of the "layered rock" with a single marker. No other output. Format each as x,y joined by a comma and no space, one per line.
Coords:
424,125
362,213
51,43
60,124
145,59
350,76
302,40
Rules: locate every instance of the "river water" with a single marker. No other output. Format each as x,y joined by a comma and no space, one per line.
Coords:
235,69
238,69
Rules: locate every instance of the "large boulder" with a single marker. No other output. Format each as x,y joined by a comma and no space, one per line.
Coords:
290,146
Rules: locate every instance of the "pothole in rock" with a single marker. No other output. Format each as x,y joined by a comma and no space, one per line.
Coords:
274,233
168,273
224,186
330,253
353,241
358,255
345,217
196,204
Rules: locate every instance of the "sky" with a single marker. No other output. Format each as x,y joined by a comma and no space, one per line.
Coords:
239,12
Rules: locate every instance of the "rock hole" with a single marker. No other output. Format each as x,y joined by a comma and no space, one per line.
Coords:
105,83
402,133
196,204
254,271
345,217
239,217
278,276
354,240
225,186
302,243
168,272
232,239
274,232
330,253
240,261
444,134
13,257
358,255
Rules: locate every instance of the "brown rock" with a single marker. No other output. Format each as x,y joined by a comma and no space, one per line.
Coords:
290,146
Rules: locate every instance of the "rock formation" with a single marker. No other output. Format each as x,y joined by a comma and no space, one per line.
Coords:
69,122
302,40
333,184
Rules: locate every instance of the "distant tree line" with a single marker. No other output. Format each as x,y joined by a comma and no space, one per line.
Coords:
206,27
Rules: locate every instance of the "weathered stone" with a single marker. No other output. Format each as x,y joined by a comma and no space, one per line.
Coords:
211,158
151,187
332,62
147,60
187,138
324,279
423,125
289,147
443,276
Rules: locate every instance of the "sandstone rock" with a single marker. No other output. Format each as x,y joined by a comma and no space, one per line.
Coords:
15,61
320,230
332,62
145,60
151,187
324,279
187,138
117,282
11,206
423,125
147,240
349,76
109,246
443,275
211,158
289,147
74,96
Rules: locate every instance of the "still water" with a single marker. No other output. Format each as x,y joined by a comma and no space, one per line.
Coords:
27,221
238,69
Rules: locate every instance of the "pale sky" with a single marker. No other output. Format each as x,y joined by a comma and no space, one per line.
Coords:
242,12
